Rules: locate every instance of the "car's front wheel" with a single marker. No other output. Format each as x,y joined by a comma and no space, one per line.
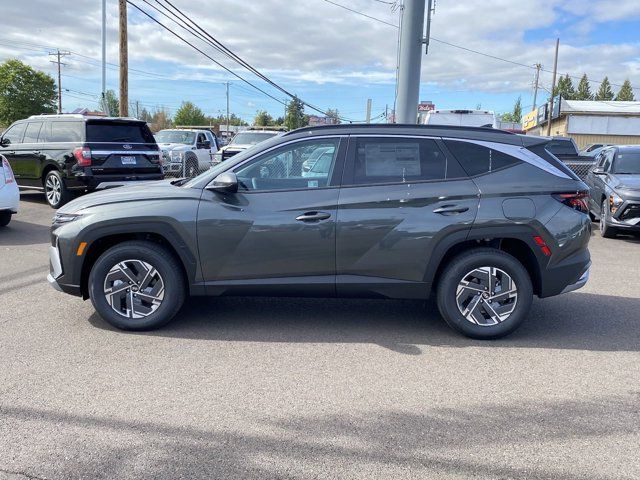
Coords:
137,285
606,230
484,293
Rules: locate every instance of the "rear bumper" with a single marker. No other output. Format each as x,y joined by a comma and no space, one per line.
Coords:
569,275
92,182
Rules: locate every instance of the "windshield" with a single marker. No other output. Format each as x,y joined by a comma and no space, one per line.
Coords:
213,172
175,136
251,138
561,147
627,162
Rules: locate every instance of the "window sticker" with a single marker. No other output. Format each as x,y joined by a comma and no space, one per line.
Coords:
382,160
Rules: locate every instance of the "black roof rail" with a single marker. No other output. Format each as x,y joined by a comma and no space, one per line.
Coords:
398,126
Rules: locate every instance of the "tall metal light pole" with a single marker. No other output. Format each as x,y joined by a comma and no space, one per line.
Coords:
553,87
227,84
104,55
124,81
535,88
411,40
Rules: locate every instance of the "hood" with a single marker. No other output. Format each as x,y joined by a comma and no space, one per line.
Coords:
626,182
172,147
236,147
141,191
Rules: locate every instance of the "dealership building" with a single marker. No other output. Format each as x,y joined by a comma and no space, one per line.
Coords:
588,121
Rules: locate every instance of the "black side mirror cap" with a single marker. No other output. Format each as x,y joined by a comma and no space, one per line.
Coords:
226,182
5,142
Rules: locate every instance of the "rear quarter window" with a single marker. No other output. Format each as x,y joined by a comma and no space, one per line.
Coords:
478,159
119,132
65,132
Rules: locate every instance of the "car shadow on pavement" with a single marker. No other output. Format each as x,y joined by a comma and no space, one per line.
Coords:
431,442
576,320
19,232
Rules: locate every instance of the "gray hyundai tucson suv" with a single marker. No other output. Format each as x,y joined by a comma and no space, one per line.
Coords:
481,218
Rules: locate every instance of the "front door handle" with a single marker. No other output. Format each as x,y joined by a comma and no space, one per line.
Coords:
36,152
313,216
450,209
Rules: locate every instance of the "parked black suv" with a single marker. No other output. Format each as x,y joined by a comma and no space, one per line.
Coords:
62,154
484,218
614,183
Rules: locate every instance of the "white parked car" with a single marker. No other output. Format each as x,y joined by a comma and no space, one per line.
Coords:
245,139
9,193
186,152
460,118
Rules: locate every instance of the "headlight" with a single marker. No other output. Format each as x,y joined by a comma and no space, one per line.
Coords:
614,202
177,156
61,218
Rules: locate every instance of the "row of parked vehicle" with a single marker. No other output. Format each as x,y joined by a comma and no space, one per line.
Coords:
64,155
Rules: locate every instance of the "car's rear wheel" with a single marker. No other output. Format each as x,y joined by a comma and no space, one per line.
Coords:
484,293
5,218
137,285
606,230
55,189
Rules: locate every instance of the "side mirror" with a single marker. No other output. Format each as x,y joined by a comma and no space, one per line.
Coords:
5,142
598,171
226,182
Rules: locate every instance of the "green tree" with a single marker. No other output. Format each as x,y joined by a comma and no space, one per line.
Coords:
516,115
110,104
222,120
334,114
625,94
189,114
279,121
565,88
604,92
263,119
24,91
295,117
145,116
584,90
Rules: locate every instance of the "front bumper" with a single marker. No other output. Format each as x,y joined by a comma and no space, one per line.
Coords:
56,272
627,217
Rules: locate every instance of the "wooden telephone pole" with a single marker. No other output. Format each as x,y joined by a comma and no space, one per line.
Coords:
58,54
124,58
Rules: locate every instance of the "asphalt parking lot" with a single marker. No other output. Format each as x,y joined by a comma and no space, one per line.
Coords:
287,388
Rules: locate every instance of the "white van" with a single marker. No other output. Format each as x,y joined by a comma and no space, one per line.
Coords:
460,118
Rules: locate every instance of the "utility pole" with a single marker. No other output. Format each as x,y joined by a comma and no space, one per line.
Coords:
411,40
227,85
124,81
104,56
386,113
553,86
137,109
368,110
58,54
535,88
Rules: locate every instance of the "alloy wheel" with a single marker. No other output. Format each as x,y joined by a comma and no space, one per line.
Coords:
486,296
134,289
53,189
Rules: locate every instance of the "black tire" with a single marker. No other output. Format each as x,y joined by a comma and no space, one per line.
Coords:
55,189
191,169
5,218
167,266
606,230
459,268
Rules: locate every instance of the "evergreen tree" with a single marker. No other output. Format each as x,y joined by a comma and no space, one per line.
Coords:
516,115
625,93
111,105
565,88
189,114
584,90
295,115
263,119
604,92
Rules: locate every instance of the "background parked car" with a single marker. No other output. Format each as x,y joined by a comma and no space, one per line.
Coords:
593,147
9,193
244,140
566,150
614,184
63,154
186,152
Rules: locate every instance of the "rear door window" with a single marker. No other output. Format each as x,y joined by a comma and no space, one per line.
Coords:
32,132
398,160
133,132
478,159
65,132
15,133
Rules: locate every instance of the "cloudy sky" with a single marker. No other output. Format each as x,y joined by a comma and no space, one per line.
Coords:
328,56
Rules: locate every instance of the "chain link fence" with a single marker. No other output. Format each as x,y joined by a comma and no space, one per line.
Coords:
579,167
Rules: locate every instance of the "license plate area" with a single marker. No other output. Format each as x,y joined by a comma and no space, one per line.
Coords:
128,160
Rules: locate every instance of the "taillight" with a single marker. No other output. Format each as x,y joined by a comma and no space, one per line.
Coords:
544,248
575,200
83,156
8,173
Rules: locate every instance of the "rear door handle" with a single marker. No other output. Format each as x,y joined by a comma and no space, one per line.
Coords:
36,152
450,209
313,216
